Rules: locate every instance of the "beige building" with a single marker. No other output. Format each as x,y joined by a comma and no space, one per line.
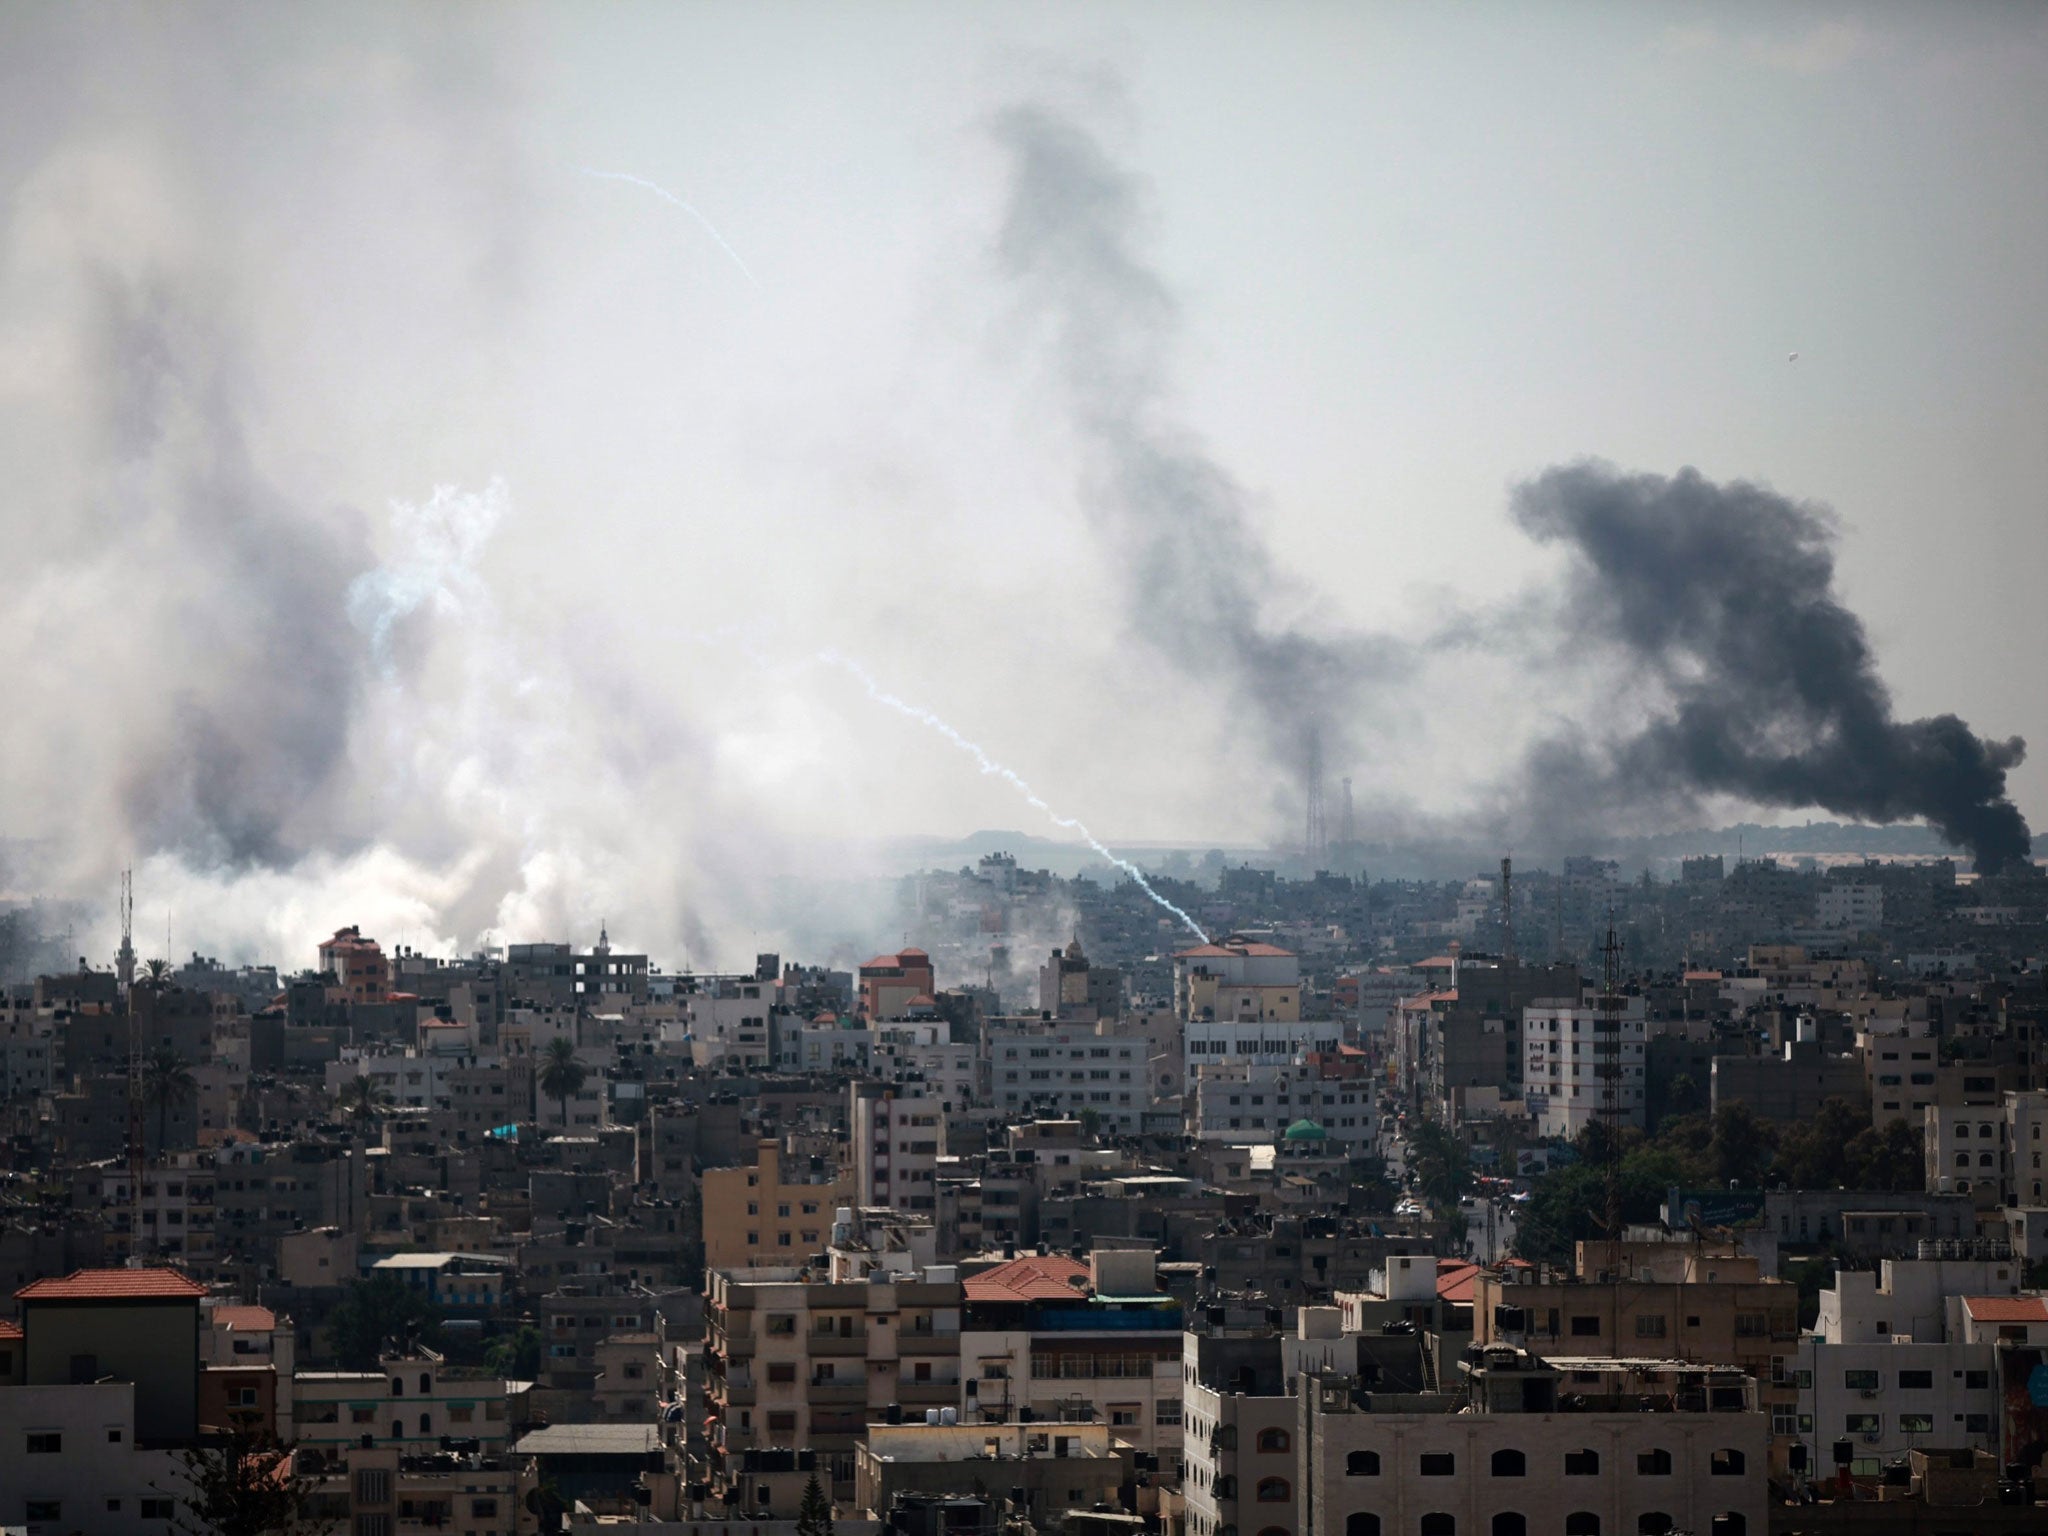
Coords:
779,1211
793,1362
1564,1445
406,1405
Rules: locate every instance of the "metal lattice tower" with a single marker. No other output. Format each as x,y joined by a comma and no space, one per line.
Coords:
1317,842
1347,830
1607,1051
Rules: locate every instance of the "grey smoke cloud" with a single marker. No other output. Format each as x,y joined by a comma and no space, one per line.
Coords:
1196,574
1724,594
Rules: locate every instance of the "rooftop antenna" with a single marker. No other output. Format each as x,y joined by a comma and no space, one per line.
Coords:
1347,832
124,957
1316,843
1607,1052
1507,911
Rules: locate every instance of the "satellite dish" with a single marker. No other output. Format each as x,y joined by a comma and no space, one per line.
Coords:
1792,357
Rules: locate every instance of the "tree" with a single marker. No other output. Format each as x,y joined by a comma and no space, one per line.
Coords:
166,1082
516,1357
360,1099
1442,1164
157,972
814,1512
374,1310
241,1482
561,1074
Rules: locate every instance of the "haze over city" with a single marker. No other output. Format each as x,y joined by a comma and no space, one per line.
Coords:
474,471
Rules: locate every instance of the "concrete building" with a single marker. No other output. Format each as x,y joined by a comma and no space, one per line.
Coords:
776,1212
1546,1445
889,984
405,1406
1991,1153
1238,981
898,1136
1564,1058
1056,1467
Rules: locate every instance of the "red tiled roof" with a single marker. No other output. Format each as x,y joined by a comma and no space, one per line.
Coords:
1262,951
10,1330
1455,1279
2007,1309
245,1319
1031,1278
113,1285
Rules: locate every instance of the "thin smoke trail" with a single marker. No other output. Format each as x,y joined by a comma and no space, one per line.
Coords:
663,192
989,765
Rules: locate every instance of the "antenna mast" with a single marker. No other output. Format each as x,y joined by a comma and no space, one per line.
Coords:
1507,913
125,962
1317,841
1607,1051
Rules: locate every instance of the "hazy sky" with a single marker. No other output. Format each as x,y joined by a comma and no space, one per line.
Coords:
407,526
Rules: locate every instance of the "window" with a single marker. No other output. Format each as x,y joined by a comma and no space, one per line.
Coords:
1581,1463
1655,1523
1860,1381
1362,1464
42,1509
1976,1381
1726,1463
397,1386
1275,1442
1916,1423
1362,1524
483,1509
1439,1525
1275,1490
1655,1463
1585,1327
1916,1381
1650,1327
1439,1464
1508,1523
44,1442
157,1509
1977,1423
1582,1522
1863,1423
1730,1524
1510,1464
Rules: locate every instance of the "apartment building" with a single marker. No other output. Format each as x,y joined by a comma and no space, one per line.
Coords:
1063,1070
1561,1444
405,1406
777,1211
1993,1153
898,1134
796,1360
1566,1055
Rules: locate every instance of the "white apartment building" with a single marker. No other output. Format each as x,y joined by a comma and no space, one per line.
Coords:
1265,1043
898,1137
923,1050
71,1462
1561,1060
408,1403
1241,1102
1057,1071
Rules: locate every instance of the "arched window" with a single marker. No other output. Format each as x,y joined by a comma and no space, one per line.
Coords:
1439,1525
1275,1490
1274,1442
1275,1530
1362,1464
1726,1463
1508,1523
1730,1524
426,1385
1361,1524
1653,1463
426,1425
1655,1523
1581,1463
1510,1464
1582,1522
398,1386
1962,1159
1983,1159
398,1429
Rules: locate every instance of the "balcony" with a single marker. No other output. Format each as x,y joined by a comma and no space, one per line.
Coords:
846,1393
928,1394
928,1341
855,1343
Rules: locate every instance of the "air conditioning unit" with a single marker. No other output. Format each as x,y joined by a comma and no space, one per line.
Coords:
1870,1392
1872,1439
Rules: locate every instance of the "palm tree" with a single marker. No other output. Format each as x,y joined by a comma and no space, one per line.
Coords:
360,1098
561,1074
157,972
166,1082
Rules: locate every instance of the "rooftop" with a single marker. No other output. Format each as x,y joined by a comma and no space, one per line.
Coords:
2007,1309
1035,1277
114,1285
590,1440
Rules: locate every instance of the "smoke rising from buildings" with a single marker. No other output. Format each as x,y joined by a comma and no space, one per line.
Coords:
1725,596
1196,575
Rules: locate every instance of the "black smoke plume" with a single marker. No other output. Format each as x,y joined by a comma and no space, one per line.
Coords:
1724,595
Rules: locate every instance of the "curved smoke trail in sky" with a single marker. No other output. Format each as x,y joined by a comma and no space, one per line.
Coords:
668,196
989,765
